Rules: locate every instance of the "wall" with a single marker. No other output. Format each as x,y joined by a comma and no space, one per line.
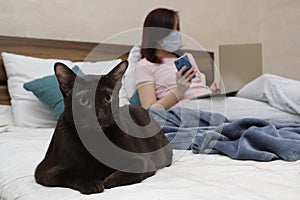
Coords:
274,23
280,31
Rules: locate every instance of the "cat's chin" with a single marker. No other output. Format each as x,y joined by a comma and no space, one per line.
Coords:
104,124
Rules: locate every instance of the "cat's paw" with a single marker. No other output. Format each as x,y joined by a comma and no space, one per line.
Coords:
117,179
110,181
122,178
92,187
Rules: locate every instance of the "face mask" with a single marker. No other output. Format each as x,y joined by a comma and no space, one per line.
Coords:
172,42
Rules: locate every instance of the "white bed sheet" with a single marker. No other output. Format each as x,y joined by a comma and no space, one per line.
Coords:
191,176
6,116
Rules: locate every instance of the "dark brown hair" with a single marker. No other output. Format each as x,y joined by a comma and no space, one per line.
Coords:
157,25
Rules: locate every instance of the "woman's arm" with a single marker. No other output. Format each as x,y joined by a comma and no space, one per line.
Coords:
148,97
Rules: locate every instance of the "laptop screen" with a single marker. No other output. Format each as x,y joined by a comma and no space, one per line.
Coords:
239,64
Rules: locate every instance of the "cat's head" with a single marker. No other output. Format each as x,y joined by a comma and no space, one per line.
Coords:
90,95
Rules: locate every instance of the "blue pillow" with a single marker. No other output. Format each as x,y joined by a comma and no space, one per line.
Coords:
47,90
135,99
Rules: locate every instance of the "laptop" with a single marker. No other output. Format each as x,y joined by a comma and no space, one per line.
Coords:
239,65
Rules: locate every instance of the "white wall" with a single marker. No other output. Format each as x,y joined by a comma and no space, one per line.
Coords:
280,33
274,23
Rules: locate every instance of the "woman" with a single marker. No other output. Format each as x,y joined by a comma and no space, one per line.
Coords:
158,81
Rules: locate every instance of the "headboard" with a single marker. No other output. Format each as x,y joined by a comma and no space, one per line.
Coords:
78,51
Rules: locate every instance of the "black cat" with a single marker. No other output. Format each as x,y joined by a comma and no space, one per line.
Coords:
97,144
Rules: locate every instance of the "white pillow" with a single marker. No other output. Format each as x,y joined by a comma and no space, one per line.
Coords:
279,92
27,110
128,80
99,68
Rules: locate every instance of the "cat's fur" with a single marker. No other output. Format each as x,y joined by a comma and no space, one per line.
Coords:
68,163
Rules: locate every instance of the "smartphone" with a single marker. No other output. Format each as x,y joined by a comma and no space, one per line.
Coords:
183,61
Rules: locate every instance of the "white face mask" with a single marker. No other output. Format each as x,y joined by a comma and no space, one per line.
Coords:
172,42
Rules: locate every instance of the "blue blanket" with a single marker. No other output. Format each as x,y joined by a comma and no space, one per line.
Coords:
244,139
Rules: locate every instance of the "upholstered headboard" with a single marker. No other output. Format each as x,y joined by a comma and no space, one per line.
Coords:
78,51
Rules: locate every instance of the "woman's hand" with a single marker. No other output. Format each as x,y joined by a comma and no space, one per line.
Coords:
215,86
183,81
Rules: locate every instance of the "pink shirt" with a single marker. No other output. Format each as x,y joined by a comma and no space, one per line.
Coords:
164,77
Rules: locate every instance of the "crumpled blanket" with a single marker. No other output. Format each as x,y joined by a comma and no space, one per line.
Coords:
244,139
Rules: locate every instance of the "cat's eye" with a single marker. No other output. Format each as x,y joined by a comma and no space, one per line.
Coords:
84,101
108,98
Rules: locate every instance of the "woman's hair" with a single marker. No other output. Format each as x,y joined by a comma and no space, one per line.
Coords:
157,25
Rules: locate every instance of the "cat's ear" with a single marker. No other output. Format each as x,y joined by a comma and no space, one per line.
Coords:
66,78
116,73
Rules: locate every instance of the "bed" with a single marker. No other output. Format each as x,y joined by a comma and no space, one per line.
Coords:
27,126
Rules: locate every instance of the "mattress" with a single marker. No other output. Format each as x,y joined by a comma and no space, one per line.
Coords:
269,97
191,176
238,107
